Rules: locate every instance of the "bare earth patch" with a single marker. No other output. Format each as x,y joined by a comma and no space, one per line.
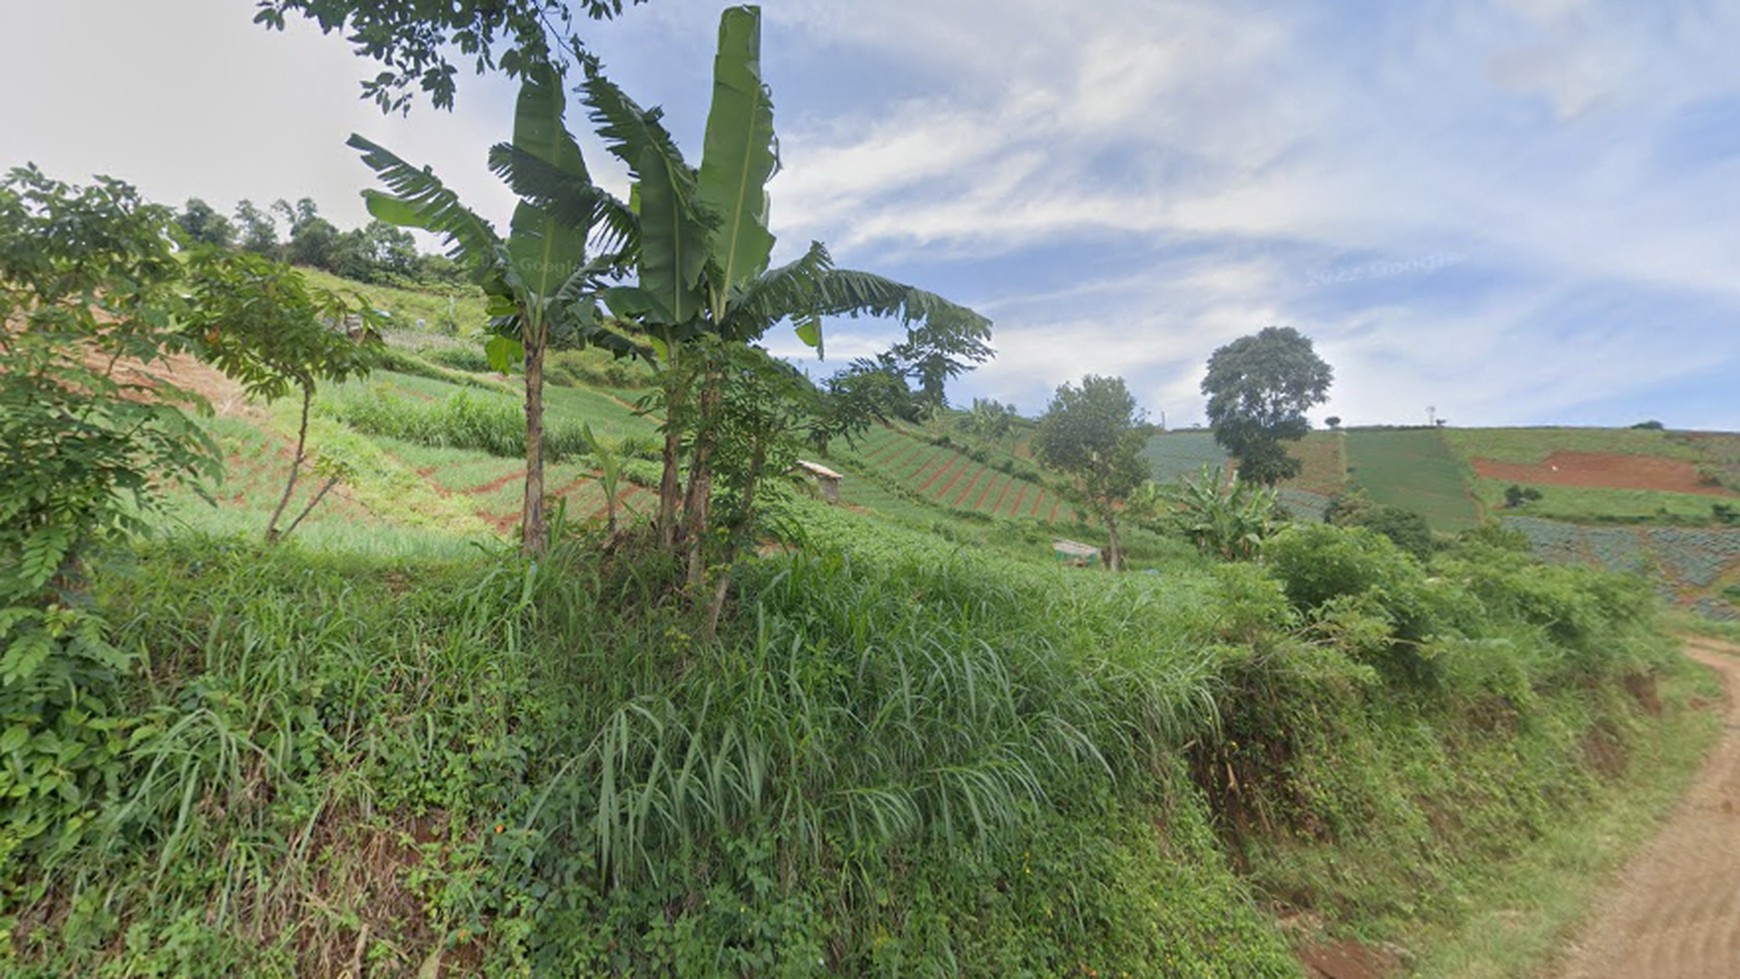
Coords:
1599,470
1675,912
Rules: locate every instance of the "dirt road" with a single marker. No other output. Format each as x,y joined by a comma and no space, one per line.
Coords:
1675,912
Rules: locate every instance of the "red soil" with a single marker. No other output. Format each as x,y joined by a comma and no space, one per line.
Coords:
966,491
1015,507
1603,471
495,484
960,471
985,492
951,465
934,456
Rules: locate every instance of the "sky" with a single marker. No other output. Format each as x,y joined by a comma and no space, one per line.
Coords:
1501,212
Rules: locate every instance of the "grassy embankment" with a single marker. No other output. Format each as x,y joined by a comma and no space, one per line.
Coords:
900,758
916,747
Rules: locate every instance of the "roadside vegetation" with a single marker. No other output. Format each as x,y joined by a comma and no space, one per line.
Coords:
569,669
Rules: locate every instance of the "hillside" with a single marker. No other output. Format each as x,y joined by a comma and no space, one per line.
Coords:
1662,503
917,744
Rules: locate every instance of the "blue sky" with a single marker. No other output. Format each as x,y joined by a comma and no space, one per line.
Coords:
1513,211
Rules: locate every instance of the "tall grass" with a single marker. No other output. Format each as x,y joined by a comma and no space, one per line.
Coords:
900,757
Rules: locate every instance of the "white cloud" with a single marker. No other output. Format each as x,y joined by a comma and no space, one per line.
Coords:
1122,188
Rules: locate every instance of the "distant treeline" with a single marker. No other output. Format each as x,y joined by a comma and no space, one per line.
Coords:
375,253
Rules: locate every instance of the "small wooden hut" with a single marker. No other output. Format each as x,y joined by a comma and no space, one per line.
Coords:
826,479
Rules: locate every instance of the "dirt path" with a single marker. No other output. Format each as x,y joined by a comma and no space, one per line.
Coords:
1675,912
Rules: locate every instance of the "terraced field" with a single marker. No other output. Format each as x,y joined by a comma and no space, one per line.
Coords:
945,477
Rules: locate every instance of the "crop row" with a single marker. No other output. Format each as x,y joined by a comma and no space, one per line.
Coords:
1695,557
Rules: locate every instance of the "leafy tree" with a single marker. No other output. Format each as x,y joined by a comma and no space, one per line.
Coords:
1226,517
90,436
1259,388
378,252
259,323
702,276
990,419
313,239
1092,433
201,225
1333,421
415,40
539,279
259,232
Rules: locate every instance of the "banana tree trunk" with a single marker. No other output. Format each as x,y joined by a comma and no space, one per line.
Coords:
670,480
534,533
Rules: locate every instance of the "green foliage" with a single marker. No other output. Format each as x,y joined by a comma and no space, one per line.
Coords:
1226,517
200,224
259,323
91,438
541,285
1259,388
1366,595
1516,496
1405,528
262,325
1092,433
415,41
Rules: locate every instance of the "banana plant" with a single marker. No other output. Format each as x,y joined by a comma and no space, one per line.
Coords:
540,279
701,264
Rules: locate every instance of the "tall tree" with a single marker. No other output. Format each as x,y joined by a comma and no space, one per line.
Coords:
201,224
1093,433
259,232
415,40
1259,388
539,278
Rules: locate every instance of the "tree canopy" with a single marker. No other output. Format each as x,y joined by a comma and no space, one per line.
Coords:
1259,388
415,40
1094,434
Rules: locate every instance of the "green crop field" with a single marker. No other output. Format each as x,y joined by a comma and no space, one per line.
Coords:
1533,445
949,478
1412,468
1175,454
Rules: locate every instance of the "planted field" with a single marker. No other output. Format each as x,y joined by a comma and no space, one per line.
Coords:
1588,474
1324,461
1176,454
943,476
1412,468
1532,446
1693,563
1592,504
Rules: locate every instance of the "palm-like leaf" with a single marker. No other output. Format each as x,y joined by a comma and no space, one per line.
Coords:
739,155
673,226
575,201
420,200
